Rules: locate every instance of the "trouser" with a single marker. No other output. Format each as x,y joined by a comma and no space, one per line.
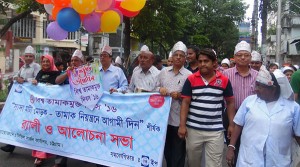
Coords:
174,148
237,144
211,141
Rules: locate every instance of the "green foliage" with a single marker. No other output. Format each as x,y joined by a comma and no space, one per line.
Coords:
200,40
22,5
272,30
295,6
206,23
3,95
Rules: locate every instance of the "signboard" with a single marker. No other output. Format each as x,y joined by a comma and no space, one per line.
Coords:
122,130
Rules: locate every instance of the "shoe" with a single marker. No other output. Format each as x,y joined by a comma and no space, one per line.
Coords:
8,148
38,162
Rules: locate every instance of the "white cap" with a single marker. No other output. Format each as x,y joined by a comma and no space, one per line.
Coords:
170,54
287,68
255,56
78,53
276,64
179,46
118,60
296,66
107,49
29,50
225,61
144,48
285,87
243,45
264,77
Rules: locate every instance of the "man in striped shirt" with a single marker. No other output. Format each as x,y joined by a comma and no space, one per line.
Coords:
201,111
242,78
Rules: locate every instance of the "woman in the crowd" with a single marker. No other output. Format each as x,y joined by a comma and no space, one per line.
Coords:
48,72
272,67
192,53
47,75
268,121
288,72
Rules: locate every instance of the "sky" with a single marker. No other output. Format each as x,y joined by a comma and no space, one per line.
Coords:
249,15
250,9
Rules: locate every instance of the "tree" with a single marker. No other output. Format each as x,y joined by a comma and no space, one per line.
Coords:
217,21
24,8
206,23
160,24
295,6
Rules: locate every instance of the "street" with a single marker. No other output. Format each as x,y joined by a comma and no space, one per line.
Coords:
21,157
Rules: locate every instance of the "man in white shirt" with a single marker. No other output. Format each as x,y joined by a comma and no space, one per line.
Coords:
171,80
145,77
26,73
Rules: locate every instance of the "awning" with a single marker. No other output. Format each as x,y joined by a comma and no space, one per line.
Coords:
295,41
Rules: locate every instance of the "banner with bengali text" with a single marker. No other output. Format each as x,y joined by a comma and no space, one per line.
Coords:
122,130
85,85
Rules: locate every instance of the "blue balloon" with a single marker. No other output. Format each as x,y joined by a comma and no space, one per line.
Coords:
68,19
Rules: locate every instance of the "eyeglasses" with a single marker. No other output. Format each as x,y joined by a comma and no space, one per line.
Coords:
179,55
243,55
104,55
256,62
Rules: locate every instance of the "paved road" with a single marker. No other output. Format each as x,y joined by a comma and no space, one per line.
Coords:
21,157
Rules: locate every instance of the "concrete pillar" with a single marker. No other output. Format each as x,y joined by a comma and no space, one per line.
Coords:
16,60
2,61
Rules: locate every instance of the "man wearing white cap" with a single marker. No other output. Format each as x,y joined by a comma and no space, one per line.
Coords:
242,78
145,76
30,69
170,83
256,61
170,60
143,49
26,73
225,63
113,78
203,95
77,60
118,61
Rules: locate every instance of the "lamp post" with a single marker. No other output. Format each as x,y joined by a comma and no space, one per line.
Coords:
278,34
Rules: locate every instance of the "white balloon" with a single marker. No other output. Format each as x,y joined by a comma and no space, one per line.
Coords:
48,8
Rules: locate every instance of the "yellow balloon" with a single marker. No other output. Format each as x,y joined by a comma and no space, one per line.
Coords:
84,6
110,21
133,5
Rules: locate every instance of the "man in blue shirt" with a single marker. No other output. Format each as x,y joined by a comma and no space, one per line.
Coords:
113,78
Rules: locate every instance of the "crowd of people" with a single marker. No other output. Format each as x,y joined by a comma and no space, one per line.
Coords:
252,107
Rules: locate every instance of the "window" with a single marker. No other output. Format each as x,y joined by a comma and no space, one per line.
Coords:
25,28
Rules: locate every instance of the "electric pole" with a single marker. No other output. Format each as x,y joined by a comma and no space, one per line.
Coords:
278,35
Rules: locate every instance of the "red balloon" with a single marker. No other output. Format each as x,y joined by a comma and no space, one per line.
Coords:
62,3
55,11
124,11
82,16
44,1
